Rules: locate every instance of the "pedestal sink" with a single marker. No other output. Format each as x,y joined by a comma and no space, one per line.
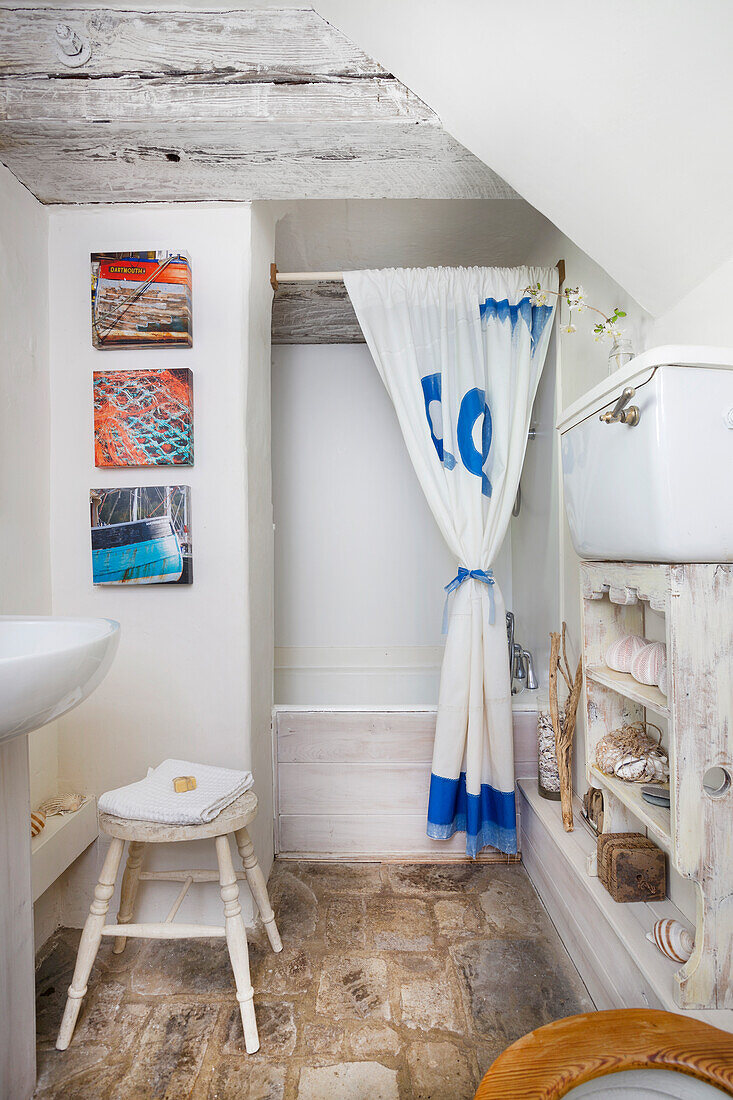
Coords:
47,666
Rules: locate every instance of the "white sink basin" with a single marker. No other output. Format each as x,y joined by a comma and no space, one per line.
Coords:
48,666
660,489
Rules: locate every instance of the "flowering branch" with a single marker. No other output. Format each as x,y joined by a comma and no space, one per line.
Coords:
575,298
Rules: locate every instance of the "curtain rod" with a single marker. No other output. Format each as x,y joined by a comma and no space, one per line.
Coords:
278,277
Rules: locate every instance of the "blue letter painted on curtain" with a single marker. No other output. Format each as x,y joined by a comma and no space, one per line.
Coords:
473,405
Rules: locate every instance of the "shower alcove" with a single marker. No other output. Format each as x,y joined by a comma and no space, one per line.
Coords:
360,564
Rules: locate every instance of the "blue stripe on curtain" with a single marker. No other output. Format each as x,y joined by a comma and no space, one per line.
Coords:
488,818
534,317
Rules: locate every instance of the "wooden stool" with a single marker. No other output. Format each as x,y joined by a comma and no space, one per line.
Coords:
234,819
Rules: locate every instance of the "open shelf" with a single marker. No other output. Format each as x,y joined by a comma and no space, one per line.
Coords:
62,839
657,819
643,694
606,939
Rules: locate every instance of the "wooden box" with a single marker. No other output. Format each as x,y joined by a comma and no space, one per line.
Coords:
141,300
631,867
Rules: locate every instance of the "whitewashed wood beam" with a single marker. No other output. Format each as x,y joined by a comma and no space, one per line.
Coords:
211,99
257,44
124,162
314,313
197,105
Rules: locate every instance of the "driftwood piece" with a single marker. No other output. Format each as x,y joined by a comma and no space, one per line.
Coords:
564,731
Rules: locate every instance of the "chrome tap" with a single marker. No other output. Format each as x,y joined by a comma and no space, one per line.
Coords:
532,683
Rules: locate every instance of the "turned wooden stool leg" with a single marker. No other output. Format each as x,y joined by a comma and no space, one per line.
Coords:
258,886
128,893
90,939
236,935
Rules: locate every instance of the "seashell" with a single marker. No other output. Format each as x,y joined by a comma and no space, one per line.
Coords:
672,939
648,662
642,769
62,804
38,821
631,754
662,681
621,653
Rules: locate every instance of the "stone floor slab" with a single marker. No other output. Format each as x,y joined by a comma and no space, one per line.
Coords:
238,1079
353,986
170,1053
516,985
348,1081
440,1071
399,924
199,968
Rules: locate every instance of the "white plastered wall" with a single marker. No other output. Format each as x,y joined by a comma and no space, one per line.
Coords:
25,559
183,682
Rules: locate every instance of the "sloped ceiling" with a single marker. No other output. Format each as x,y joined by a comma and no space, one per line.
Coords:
613,118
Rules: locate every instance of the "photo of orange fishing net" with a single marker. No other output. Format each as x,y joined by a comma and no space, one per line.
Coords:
143,417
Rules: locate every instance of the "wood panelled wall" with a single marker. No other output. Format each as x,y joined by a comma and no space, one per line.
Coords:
355,783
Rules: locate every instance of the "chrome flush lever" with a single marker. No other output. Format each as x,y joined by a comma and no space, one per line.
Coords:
620,414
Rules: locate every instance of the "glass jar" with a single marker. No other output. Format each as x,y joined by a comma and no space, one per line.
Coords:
620,354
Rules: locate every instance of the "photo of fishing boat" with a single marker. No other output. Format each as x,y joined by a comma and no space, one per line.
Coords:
141,535
141,299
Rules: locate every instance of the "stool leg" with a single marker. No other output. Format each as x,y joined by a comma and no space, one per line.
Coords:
258,886
91,938
128,893
236,935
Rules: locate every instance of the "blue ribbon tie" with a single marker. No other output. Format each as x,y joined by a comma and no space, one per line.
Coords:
485,576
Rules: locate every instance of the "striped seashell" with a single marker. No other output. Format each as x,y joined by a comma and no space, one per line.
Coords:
38,821
662,681
672,939
621,653
62,804
648,663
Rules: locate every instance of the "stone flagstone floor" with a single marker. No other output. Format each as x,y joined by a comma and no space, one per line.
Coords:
396,981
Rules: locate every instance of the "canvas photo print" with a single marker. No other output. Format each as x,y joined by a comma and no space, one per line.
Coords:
143,417
141,300
141,535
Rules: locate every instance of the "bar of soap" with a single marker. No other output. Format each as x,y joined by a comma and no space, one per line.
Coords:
184,783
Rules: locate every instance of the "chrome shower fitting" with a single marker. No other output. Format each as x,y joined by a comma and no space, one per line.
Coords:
519,670
521,666
532,684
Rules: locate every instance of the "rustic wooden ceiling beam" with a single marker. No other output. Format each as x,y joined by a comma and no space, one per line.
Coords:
260,43
194,106
125,162
207,98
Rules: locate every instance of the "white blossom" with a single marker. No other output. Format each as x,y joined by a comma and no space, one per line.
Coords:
575,298
570,327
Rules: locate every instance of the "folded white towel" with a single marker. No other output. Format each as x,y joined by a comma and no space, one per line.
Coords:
153,798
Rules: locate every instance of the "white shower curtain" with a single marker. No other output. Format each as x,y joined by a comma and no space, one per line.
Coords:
461,351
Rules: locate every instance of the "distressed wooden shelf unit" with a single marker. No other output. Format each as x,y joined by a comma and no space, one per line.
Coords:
697,604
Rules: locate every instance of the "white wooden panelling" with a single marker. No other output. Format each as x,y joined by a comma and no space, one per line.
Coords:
369,836
606,940
355,783
230,105
328,788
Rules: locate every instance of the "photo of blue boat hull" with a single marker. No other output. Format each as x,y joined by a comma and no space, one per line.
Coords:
145,551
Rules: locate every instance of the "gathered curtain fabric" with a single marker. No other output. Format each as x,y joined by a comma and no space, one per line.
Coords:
461,352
